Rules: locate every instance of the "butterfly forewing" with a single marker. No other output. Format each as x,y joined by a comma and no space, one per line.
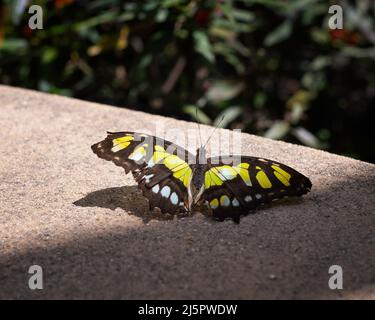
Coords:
159,167
232,189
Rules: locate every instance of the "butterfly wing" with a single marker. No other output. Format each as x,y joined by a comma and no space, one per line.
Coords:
233,189
159,167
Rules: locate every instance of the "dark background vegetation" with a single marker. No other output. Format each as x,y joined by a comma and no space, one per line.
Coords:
274,68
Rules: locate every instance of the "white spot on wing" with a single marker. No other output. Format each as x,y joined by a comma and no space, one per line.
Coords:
155,188
117,148
224,201
174,198
165,192
228,174
150,163
235,202
136,156
248,198
148,177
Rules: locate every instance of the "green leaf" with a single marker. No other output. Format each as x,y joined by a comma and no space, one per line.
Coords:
197,114
227,9
278,130
281,33
223,90
150,5
170,3
203,46
228,115
306,137
49,54
145,61
320,36
14,45
260,99
107,16
233,26
243,15
359,52
229,56
314,11
314,81
126,16
18,9
292,7
161,15
223,33
297,112
270,3
320,62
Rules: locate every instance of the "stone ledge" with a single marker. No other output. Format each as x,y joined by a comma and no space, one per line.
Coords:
87,225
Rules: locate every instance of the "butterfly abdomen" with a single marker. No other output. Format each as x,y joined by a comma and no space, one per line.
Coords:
198,176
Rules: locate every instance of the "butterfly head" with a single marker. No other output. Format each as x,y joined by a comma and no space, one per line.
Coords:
201,155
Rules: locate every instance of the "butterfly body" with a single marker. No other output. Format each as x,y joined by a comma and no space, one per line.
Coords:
174,180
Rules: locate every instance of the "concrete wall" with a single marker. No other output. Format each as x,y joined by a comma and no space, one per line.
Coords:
88,226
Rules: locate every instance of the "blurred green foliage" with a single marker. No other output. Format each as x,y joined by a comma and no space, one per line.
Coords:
273,68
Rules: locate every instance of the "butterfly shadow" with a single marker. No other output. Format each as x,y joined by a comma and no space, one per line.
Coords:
127,198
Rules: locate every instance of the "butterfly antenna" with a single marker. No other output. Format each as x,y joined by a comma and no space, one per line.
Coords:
219,123
199,127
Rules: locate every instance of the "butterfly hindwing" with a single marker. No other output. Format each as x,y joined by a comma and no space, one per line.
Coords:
159,167
235,188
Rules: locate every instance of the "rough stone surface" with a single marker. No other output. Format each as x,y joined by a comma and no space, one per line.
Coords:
87,225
